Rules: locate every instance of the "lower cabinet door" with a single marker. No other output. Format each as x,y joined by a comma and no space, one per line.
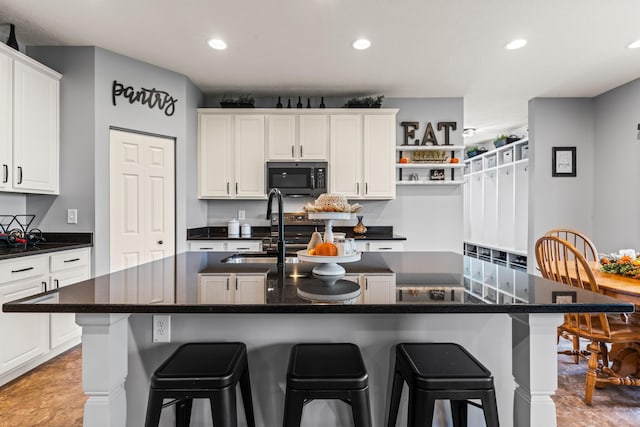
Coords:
379,290
214,289
63,326
24,336
250,290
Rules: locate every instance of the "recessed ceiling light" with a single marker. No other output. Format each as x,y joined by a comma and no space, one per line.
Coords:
469,132
361,44
217,44
634,45
516,44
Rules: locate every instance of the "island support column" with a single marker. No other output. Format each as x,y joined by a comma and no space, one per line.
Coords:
104,368
535,368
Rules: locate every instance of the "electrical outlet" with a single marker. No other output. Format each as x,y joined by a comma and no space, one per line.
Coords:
241,214
161,328
72,216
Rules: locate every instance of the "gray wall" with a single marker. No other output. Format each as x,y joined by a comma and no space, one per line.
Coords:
89,113
430,217
556,202
617,169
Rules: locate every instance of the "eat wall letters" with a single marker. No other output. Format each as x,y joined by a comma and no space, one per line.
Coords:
429,136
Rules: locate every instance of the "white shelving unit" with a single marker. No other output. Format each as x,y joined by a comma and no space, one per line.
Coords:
493,283
419,172
496,191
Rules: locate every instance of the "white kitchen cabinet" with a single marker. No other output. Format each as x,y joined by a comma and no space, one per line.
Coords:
231,288
297,137
375,289
345,163
362,161
30,339
226,246
67,268
30,93
249,157
24,336
6,122
231,156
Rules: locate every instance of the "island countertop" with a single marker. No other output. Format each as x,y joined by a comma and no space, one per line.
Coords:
424,282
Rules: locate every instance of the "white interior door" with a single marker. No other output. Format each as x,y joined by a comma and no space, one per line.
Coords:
142,198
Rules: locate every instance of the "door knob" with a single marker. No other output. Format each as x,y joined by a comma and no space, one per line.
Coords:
160,242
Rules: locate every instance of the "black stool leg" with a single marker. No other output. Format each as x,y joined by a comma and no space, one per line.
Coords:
421,406
490,408
223,407
293,403
396,394
245,388
183,412
361,408
154,409
459,413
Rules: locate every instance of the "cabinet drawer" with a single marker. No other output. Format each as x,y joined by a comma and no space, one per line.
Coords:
386,246
244,246
22,268
69,259
208,245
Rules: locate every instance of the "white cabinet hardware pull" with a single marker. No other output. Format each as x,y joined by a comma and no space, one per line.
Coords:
6,173
57,282
22,269
20,174
227,188
227,283
292,151
301,151
160,242
72,260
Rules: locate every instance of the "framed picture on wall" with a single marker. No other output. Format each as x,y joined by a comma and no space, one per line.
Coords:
563,161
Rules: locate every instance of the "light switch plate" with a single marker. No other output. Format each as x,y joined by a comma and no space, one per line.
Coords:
72,216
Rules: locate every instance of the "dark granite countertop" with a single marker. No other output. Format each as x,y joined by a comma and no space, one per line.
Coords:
54,242
416,274
259,233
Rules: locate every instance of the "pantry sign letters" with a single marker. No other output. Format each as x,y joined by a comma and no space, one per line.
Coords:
153,98
429,137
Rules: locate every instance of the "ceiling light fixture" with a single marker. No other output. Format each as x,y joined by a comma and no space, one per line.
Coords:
217,44
361,44
468,132
634,45
516,44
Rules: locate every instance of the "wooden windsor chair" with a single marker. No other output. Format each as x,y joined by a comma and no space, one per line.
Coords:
560,261
588,249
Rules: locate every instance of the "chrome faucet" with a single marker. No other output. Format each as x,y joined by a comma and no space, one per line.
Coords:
281,248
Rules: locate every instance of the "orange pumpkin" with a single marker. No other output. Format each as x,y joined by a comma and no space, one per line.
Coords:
326,249
454,160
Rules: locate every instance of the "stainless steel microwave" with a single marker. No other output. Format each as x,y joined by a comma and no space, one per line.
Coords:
297,178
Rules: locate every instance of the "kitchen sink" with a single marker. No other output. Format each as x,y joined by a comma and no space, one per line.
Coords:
258,258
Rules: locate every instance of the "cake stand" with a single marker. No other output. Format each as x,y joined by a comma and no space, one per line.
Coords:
328,289
328,218
328,264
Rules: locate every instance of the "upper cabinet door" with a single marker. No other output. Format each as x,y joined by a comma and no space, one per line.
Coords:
345,167
297,137
379,161
249,157
281,138
312,137
215,145
6,121
35,130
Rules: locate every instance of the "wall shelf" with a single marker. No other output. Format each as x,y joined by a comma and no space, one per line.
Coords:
425,163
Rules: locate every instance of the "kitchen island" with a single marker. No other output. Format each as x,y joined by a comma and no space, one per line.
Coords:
384,299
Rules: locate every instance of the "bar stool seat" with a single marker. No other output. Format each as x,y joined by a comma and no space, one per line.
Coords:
441,371
326,371
202,370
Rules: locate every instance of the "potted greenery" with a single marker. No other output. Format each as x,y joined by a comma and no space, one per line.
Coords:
472,151
500,141
242,101
366,102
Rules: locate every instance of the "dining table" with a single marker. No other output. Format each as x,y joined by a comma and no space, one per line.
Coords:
625,357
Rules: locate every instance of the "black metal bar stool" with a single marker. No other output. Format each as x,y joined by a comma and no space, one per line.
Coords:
327,371
441,371
202,370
